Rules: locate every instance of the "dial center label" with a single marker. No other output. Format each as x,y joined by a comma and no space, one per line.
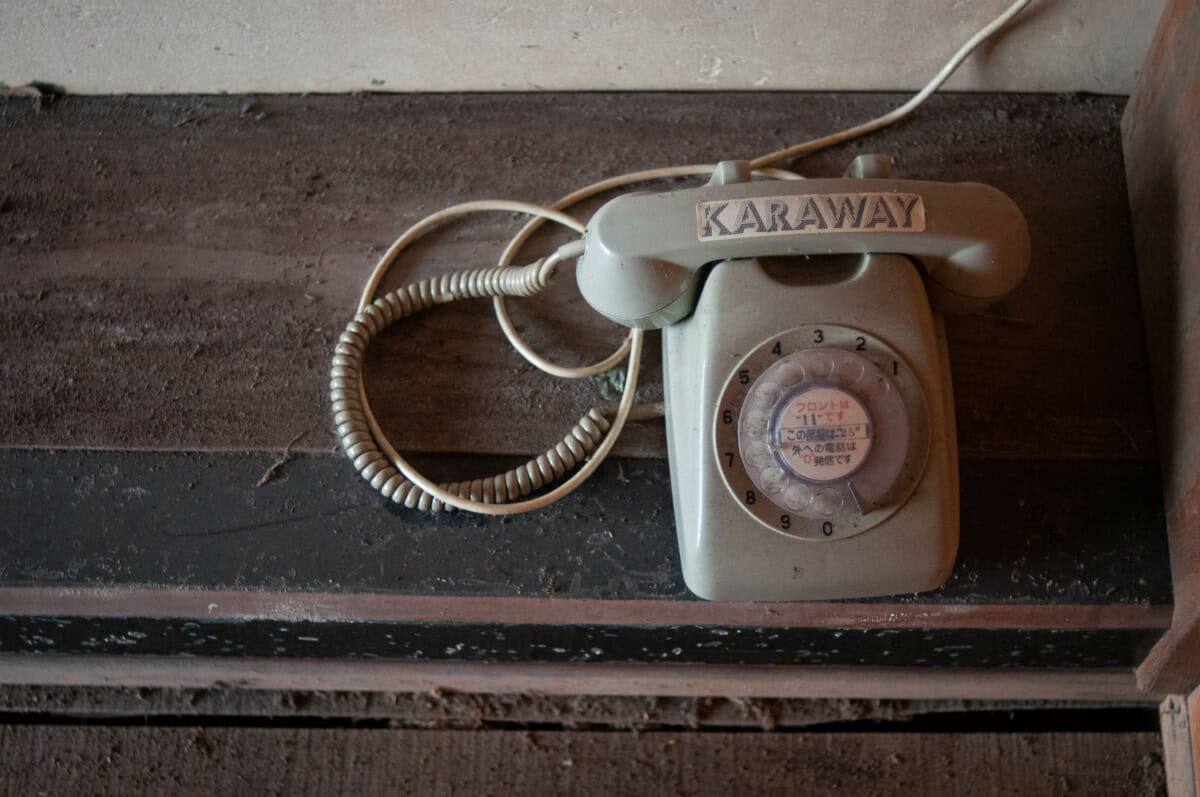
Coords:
823,434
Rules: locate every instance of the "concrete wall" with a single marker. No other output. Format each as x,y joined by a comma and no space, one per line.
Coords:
167,46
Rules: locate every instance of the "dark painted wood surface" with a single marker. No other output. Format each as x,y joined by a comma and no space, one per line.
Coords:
580,643
178,268
1032,533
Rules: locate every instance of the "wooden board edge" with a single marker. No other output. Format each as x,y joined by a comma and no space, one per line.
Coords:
375,607
1192,707
1170,666
1160,157
674,680
1176,717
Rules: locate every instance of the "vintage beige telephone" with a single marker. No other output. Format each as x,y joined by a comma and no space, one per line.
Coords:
810,421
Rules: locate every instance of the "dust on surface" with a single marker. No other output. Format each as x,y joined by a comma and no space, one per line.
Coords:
181,266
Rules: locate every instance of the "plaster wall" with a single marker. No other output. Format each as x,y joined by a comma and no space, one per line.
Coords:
183,46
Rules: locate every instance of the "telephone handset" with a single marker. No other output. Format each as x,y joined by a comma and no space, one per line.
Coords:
810,423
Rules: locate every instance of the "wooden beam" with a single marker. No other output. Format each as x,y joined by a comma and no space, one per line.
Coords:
1162,156
57,759
1192,708
448,709
321,607
1045,546
567,679
1177,715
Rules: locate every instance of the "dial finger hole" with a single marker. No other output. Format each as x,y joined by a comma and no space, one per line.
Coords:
758,454
798,497
755,422
768,393
827,501
873,387
790,374
848,371
818,364
773,480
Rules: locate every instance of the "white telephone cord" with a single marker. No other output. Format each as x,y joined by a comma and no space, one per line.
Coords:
360,434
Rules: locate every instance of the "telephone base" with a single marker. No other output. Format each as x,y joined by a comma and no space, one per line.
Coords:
738,543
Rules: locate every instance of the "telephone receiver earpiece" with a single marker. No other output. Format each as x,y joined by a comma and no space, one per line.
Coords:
643,252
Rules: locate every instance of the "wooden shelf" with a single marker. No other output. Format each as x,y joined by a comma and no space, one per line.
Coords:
178,268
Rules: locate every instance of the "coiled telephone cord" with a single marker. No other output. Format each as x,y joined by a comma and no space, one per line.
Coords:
355,434
364,441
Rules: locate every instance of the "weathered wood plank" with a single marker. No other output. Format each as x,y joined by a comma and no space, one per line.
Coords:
452,709
177,268
1162,153
1193,711
1179,760
108,760
1056,534
661,678
581,643
232,604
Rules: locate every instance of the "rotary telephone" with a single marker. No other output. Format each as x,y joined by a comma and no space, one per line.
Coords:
810,421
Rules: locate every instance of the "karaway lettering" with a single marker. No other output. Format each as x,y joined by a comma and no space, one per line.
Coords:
815,213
